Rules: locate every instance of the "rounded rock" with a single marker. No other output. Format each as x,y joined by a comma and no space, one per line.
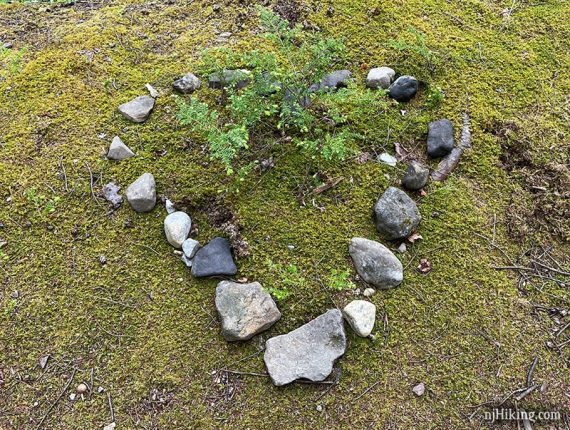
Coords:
375,263
187,83
361,316
416,176
177,227
440,140
380,77
404,88
396,214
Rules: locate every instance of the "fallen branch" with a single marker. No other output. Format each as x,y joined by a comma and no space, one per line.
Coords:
331,183
57,400
450,162
366,391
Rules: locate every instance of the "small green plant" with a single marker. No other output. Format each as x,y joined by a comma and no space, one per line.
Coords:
41,202
10,61
340,281
414,44
288,278
434,97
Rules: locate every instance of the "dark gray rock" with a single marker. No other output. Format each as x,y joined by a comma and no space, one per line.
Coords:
118,150
214,259
141,194
177,226
308,352
111,194
404,88
239,78
375,263
187,83
396,214
440,140
138,109
380,77
416,176
244,309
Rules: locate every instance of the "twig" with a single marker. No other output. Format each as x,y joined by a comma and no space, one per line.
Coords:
236,372
111,407
64,174
331,183
58,399
366,391
559,332
551,269
91,182
526,392
531,371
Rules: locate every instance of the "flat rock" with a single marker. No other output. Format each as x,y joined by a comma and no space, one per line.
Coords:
138,109
111,194
141,194
440,140
404,88
416,176
240,78
375,263
388,159
380,77
177,227
361,316
118,150
396,214
244,309
307,352
214,259
190,247
187,83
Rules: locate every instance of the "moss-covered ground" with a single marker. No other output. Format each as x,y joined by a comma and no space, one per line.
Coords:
143,329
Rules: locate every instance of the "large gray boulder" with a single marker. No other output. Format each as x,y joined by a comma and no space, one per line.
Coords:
138,109
308,352
177,227
244,309
380,77
396,214
361,315
214,259
118,150
375,263
440,140
141,194
416,176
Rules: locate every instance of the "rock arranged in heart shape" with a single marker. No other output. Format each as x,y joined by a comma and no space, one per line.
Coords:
141,194
375,263
214,259
396,214
138,109
361,316
118,150
177,226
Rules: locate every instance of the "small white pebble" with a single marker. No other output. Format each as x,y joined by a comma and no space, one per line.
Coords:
319,408
81,388
402,248
419,389
72,397
368,292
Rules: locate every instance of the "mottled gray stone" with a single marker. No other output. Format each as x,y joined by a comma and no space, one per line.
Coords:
361,316
138,109
141,194
440,140
375,263
396,214
187,83
404,88
416,176
244,309
307,352
118,150
111,194
177,227
380,77
240,78
214,259
190,247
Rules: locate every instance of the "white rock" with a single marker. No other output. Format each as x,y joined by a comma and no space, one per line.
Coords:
118,150
152,91
190,247
169,206
380,77
177,228
402,248
368,292
387,159
361,316
110,426
419,389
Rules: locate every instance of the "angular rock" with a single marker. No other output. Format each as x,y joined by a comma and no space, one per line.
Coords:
307,352
141,194
368,292
190,247
416,176
361,316
404,88
138,109
440,140
240,78
177,227
152,91
214,259
244,309
118,150
111,194
396,214
375,263
187,261
380,77
187,83
388,159
169,206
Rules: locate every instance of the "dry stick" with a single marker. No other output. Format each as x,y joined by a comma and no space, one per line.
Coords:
58,399
236,372
367,390
531,371
64,174
91,182
111,407
526,392
562,330
551,269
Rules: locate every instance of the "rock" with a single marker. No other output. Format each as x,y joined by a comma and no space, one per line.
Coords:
335,80
416,176
440,140
110,426
375,263
187,261
244,309
404,88
361,316
368,292
396,214
307,352
169,206
240,78
419,389
138,109
7,45
214,259
111,194
152,91
387,159
187,83
118,150
380,77
177,227
82,388
402,248
190,247
141,194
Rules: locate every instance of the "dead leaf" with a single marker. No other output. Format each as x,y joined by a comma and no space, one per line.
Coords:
424,267
414,236
363,157
43,361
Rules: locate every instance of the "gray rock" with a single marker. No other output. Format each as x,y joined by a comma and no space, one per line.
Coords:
332,81
214,259
141,194
169,206
375,263
440,140
177,227
361,316
187,83
416,176
419,389
380,77
118,150
187,261
396,214
190,247
138,109
368,292
111,194
244,309
152,91
307,352
404,88
239,78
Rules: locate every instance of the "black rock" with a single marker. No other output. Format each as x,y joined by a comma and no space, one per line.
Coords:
440,138
214,259
404,88
416,176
